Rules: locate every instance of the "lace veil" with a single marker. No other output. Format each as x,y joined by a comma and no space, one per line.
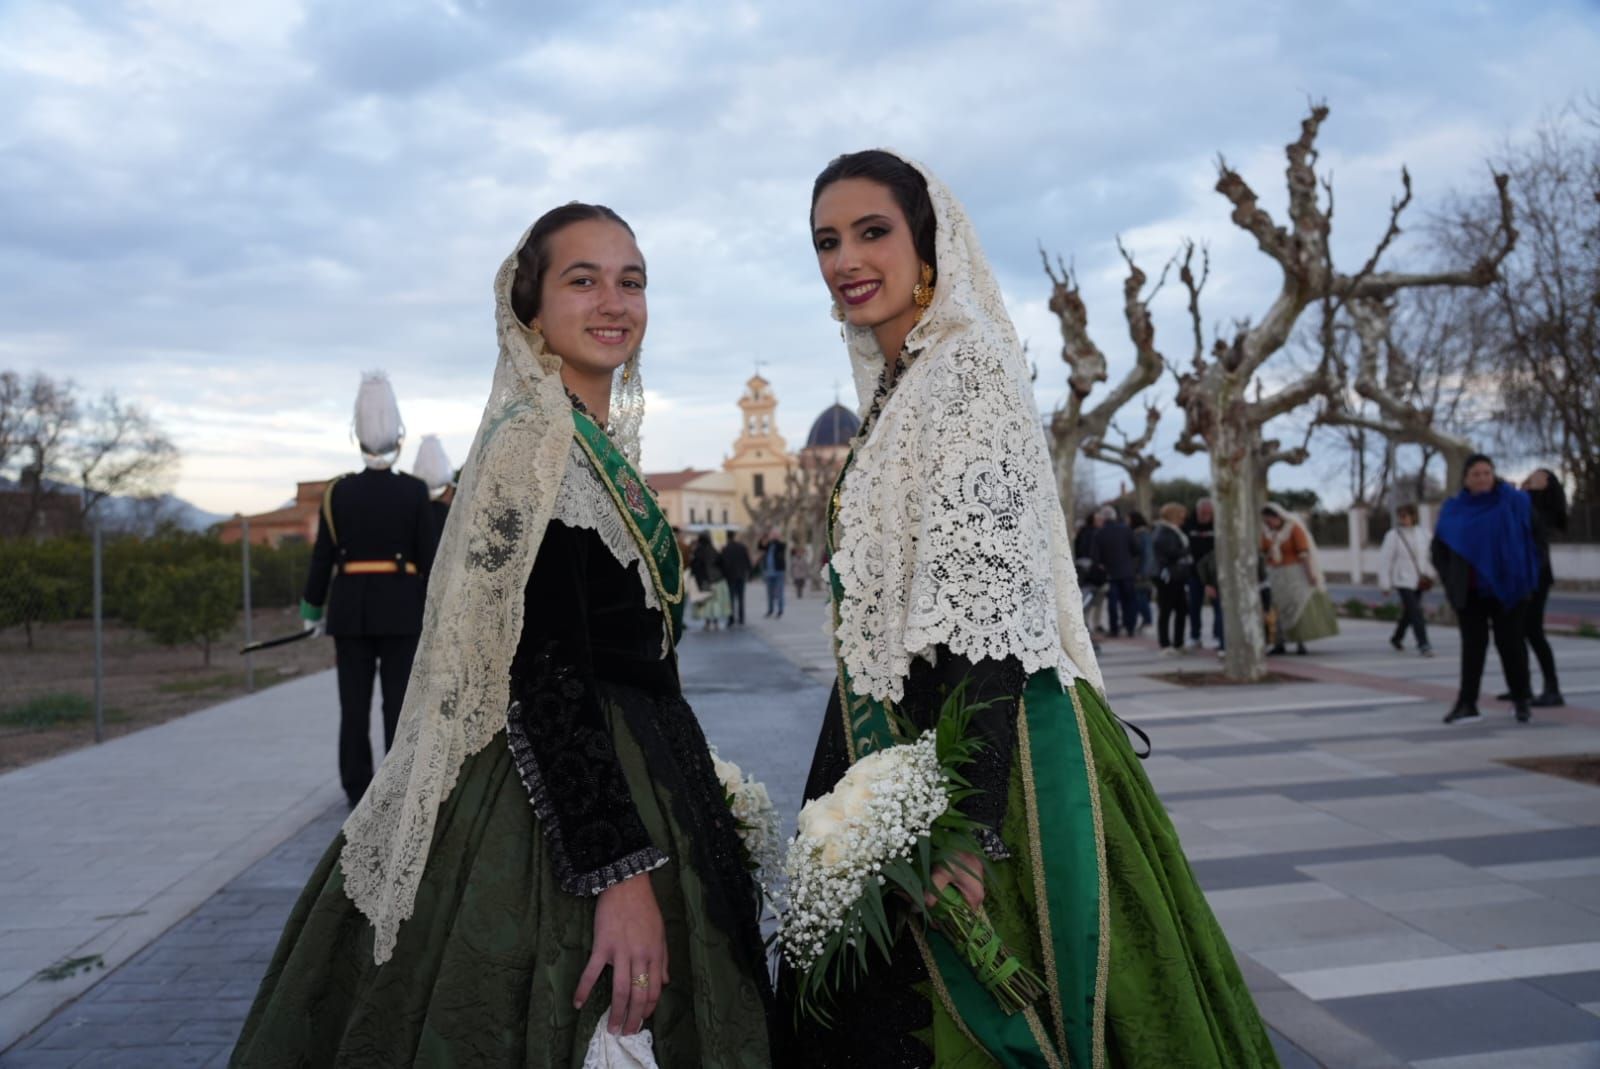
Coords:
460,680
949,530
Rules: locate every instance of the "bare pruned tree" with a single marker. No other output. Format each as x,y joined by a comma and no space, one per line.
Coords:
1134,456
800,512
119,450
1215,393
49,414
1385,374
51,442
1071,427
1544,345
12,394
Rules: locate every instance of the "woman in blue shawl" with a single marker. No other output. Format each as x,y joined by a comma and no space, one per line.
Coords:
1485,550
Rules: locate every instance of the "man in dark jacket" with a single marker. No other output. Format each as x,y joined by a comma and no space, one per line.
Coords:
735,560
1201,527
1116,550
375,545
774,563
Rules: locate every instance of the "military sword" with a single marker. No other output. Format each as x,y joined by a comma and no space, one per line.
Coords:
281,640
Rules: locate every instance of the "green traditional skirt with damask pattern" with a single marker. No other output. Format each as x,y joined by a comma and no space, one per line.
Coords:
1174,996
486,967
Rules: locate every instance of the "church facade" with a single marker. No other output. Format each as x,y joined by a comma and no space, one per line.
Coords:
758,466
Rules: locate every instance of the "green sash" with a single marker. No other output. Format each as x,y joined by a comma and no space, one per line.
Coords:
1058,855
644,518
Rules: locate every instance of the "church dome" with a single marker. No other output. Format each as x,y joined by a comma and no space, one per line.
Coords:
835,427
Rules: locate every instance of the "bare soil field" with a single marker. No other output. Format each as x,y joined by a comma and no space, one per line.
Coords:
47,693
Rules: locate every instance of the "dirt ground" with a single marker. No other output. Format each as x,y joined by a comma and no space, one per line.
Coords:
46,693
1583,767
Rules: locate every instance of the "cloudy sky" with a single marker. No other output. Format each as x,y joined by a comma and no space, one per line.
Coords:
226,211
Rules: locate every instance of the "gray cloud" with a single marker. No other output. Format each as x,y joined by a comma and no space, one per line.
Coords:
230,212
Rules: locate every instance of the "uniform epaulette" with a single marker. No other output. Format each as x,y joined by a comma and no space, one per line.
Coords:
327,508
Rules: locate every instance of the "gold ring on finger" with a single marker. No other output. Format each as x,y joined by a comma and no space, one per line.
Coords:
642,980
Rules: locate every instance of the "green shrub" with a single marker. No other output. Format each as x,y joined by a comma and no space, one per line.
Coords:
31,595
1356,609
1388,610
180,603
1587,629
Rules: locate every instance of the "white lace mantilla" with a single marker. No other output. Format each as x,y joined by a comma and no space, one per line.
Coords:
949,531
460,681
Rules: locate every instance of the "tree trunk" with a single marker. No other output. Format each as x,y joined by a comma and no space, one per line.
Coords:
1455,468
1065,459
1144,495
1233,488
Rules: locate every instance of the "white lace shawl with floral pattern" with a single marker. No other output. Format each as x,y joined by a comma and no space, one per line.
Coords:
949,531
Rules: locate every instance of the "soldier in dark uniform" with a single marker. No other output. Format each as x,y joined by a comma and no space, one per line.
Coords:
433,467
375,545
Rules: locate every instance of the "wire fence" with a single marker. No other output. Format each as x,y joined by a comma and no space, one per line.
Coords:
103,634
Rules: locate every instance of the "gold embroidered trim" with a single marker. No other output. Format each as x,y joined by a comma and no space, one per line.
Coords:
1040,1037
1041,897
633,527
1103,966
939,989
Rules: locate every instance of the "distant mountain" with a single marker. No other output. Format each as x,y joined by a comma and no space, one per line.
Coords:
133,513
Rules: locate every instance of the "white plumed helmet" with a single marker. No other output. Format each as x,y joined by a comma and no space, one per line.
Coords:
377,424
432,465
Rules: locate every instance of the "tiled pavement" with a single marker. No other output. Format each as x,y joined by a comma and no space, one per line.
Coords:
1396,895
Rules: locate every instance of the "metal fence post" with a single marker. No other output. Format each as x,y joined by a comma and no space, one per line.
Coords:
99,638
249,637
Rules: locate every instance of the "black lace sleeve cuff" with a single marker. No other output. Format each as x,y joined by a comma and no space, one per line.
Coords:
565,758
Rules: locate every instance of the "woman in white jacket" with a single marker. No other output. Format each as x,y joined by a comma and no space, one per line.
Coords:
1403,566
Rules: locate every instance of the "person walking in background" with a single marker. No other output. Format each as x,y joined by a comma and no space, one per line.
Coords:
1091,576
706,568
800,569
774,563
1550,506
1174,568
1146,573
1403,567
1201,527
369,569
735,561
1486,553
1299,588
1117,552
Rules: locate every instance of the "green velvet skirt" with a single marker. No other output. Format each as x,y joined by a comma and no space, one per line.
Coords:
486,967
1173,991
1174,996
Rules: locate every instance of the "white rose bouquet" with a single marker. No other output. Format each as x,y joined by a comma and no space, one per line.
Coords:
883,829
760,830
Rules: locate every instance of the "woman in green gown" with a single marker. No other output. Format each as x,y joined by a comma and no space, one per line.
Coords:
545,871
951,565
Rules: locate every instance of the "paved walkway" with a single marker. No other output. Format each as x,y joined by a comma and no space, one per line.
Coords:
1396,894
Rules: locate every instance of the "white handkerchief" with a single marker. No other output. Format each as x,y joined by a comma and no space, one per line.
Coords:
607,1051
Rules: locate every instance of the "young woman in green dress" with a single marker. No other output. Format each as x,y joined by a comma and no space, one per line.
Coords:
545,872
951,564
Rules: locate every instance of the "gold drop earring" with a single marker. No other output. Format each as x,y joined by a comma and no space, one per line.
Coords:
922,292
836,312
